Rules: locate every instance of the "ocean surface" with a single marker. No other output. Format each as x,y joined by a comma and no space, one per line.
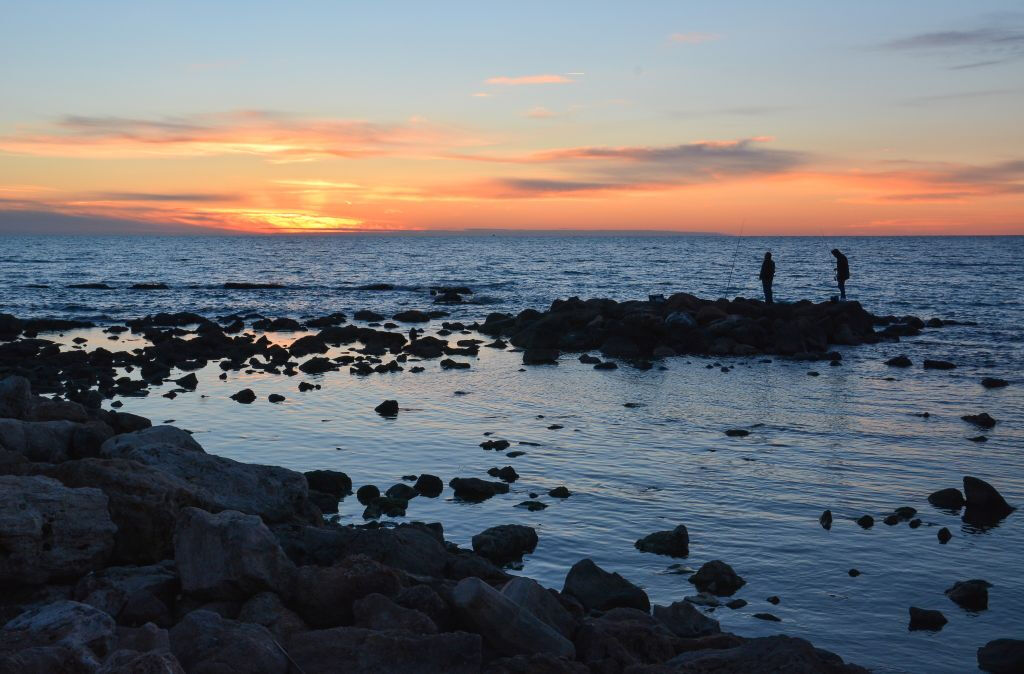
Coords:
851,440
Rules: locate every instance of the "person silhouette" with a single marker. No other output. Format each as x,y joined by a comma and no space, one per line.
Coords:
767,275
842,272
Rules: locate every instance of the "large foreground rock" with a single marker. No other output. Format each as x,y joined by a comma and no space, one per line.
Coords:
768,654
49,531
132,595
49,441
206,642
601,590
542,603
324,595
61,636
275,494
229,555
1002,656
984,503
506,626
624,637
685,620
360,651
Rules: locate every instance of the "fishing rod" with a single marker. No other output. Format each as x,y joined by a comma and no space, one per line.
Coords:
735,254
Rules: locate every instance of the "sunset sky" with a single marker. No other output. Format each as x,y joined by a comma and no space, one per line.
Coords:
737,117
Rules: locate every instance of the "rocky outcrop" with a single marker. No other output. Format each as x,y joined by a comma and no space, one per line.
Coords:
132,595
768,654
324,595
684,620
50,531
673,543
61,636
985,505
505,543
206,642
1002,656
542,603
366,651
601,590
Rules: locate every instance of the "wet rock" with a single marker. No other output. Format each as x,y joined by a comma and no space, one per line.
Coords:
674,543
542,603
768,616
332,482
1002,656
367,494
737,433
979,438
601,590
623,638
505,543
950,498
324,595
826,520
560,492
866,521
496,445
734,603
891,520
944,535
411,316
540,356
401,491
475,489
132,595
449,364
982,420
607,365
853,573
507,627
430,486
708,599
970,594
205,642
377,612
508,473
15,397
389,506
984,503
318,365
326,503
994,382
718,578
229,555
307,345
50,531
532,506
60,636
684,620
388,408
938,365
767,654
275,398
367,315
245,396
369,652
925,619
246,285
330,320
899,361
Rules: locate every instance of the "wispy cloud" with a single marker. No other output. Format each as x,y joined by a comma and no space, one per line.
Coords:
191,197
539,112
986,45
961,96
694,37
528,79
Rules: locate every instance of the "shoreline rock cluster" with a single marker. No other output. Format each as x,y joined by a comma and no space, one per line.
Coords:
128,548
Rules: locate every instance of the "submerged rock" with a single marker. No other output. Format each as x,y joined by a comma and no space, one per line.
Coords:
982,420
826,520
475,489
674,543
970,594
938,365
899,361
994,382
950,498
925,619
1002,656
505,543
388,408
718,578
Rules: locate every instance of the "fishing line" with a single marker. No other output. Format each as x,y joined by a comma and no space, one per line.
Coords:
735,254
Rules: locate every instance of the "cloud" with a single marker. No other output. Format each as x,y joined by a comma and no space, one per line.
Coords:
194,197
987,45
961,95
693,38
539,112
274,136
528,79
50,222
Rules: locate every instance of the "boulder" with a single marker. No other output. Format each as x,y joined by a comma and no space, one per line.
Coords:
50,531
229,555
507,627
950,499
377,612
475,489
540,356
275,494
331,482
624,638
970,594
245,396
684,620
363,651
925,619
718,578
1002,656
125,661
597,589
324,595
388,408
77,636
899,361
267,609
15,397
983,420
984,503
938,365
994,382
41,441
508,473
132,595
505,543
673,543
411,316
767,654
430,486
206,642
542,603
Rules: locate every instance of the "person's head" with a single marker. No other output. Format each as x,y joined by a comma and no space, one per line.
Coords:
835,251
767,256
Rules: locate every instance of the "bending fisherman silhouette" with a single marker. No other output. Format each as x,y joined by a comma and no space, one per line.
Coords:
767,275
842,272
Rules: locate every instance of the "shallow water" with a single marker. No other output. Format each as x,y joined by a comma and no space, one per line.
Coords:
847,440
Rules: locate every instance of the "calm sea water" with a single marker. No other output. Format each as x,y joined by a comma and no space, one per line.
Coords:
849,440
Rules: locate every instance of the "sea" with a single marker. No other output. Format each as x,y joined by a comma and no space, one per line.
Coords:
640,450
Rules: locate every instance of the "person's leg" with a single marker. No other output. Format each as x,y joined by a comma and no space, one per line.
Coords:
842,290
767,285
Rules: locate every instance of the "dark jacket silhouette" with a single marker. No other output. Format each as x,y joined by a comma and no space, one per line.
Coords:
842,271
767,275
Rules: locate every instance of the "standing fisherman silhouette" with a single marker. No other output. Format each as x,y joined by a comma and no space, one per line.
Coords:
842,272
767,275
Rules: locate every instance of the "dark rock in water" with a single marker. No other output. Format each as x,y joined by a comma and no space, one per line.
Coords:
905,512
944,535
768,616
232,285
330,481
982,420
915,523
189,381
327,503
318,365
539,356
1002,656
245,396
278,325
600,590
673,543
337,318
737,433
532,506
385,505
686,621
925,619
497,445
367,315
412,316
305,386
376,286
979,438
866,521
388,408
475,489
950,499
367,494
970,594
767,654
515,454
90,286
401,491
984,503
428,485
506,543
853,573
994,382
899,361
276,398
607,365
497,344
149,286
773,600
826,520
735,604
587,359
938,365
560,492
449,364
508,473
718,578
307,346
